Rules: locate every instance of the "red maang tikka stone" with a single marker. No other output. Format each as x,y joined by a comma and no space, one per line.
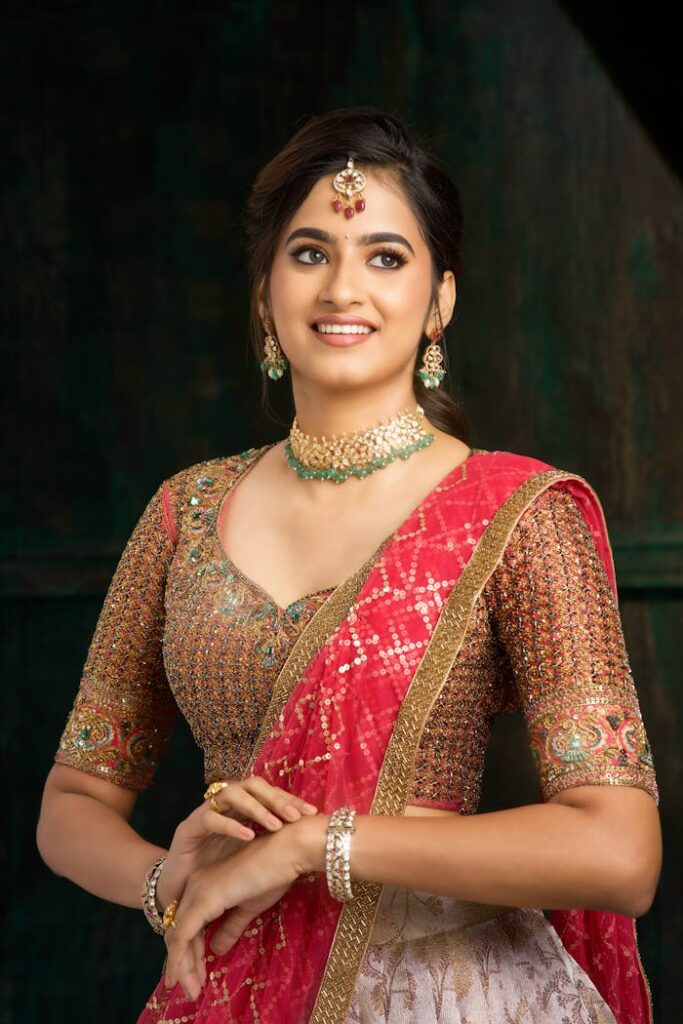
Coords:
348,186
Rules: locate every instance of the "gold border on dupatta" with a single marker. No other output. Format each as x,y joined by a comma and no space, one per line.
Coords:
648,991
318,630
357,917
321,627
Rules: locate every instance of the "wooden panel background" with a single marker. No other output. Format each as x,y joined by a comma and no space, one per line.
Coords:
131,135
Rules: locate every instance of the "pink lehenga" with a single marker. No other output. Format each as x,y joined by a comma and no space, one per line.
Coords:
342,728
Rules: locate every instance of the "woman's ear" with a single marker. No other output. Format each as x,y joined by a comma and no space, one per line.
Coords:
262,300
447,296
441,315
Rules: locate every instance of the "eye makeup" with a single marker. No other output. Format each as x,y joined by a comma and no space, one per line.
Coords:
394,254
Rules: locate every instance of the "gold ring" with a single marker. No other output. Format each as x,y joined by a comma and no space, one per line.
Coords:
168,919
212,792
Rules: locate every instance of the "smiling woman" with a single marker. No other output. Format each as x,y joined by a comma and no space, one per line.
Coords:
386,291
337,869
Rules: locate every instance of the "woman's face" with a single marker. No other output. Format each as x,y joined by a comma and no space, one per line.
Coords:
372,270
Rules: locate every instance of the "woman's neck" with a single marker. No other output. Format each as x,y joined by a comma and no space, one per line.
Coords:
333,415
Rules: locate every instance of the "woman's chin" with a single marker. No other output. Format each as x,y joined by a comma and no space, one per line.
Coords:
337,376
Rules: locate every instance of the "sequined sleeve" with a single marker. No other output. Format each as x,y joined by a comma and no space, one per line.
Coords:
124,711
555,614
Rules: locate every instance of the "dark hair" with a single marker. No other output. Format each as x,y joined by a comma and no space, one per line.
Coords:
378,140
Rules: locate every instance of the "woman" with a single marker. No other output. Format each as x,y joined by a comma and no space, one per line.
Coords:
337,870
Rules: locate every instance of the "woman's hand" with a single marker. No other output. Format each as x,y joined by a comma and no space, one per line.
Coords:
206,836
247,884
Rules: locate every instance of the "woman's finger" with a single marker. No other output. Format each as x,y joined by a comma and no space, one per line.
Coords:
200,958
287,805
181,966
193,969
231,928
213,821
187,975
178,952
191,832
235,798
191,917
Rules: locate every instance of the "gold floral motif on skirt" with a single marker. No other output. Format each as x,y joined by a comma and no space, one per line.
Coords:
436,960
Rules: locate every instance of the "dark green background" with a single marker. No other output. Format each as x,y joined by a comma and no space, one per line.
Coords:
130,136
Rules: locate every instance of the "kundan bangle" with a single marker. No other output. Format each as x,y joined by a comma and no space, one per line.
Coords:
340,828
149,896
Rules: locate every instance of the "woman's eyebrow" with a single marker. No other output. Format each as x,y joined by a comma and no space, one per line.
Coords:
325,236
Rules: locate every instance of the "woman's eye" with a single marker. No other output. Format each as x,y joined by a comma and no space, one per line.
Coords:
318,256
311,256
388,260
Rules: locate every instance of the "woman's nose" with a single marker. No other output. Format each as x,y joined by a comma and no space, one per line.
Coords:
342,284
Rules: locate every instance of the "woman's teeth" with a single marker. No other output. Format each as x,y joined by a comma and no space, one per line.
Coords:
343,329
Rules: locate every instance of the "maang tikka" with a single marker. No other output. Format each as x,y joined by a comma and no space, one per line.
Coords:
349,185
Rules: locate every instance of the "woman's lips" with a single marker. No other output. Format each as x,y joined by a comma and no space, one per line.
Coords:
342,340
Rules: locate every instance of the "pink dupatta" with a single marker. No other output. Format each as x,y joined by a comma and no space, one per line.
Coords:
343,727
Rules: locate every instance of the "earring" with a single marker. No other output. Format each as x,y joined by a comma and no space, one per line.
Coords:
275,362
432,372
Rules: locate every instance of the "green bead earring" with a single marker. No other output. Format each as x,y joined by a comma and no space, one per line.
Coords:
431,373
275,362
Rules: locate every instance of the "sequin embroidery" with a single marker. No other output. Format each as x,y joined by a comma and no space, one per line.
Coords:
181,627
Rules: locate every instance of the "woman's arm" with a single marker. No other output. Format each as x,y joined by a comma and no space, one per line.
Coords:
595,842
114,737
118,727
83,834
595,847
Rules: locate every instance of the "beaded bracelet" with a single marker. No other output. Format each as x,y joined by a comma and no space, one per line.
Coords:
149,896
339,831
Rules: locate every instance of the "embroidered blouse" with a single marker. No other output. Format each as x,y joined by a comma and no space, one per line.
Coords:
183,630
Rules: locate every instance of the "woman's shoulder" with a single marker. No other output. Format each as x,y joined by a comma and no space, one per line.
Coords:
556,514
501,460
210,473
196,488
540,501
518,468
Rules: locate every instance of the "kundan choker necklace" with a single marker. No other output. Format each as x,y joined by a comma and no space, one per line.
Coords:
359,453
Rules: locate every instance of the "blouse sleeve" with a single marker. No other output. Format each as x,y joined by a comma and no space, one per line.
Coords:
555,614
124,711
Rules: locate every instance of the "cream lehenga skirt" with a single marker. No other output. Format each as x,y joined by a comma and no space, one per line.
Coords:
435,960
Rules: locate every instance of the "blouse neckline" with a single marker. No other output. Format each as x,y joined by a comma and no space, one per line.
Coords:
234,481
